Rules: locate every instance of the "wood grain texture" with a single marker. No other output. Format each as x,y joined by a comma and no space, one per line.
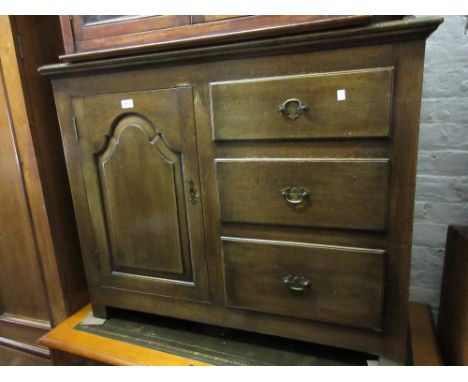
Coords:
17,231
346,285
144,158
397,45
383,32
424,345
248,110
66,28
45,135
403,146
12,357
147,237
354,197
38,241
452,324
168,32
22,333
105,350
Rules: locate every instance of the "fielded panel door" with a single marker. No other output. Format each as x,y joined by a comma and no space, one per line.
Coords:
139,163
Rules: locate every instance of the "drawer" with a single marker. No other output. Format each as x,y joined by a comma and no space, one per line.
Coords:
318,282
332,193
350,104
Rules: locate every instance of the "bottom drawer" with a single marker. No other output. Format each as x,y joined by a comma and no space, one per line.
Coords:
319,282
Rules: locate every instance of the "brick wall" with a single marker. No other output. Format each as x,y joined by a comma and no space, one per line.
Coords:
442,177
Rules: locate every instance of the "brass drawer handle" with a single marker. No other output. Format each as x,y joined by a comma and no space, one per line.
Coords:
293,108
295,195
296,283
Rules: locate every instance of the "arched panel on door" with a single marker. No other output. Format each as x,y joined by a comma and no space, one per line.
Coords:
138,165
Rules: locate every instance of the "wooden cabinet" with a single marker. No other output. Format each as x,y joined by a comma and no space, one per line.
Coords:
41,271
88,37
265,185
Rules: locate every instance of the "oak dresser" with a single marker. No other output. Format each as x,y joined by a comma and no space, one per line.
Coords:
266,185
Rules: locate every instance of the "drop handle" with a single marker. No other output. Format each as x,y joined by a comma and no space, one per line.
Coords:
293,108
295,195
296,283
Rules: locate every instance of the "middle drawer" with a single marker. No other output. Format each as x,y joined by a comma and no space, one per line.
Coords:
331,193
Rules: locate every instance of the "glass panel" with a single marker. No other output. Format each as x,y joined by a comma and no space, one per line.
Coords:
95,20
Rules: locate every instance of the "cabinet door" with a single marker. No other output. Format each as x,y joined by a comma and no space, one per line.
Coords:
140,170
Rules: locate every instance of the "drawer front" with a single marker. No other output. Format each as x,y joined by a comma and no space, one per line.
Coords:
351,104
332,193
324,283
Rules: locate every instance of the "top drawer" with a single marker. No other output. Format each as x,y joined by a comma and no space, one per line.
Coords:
349,104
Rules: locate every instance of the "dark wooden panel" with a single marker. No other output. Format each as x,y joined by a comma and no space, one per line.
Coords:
140,168
45,134
377,35
38,241
232,29
97,115
452,325
23,330
18,249
346,284
10,356
339,105
343,193
341,237
333,148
